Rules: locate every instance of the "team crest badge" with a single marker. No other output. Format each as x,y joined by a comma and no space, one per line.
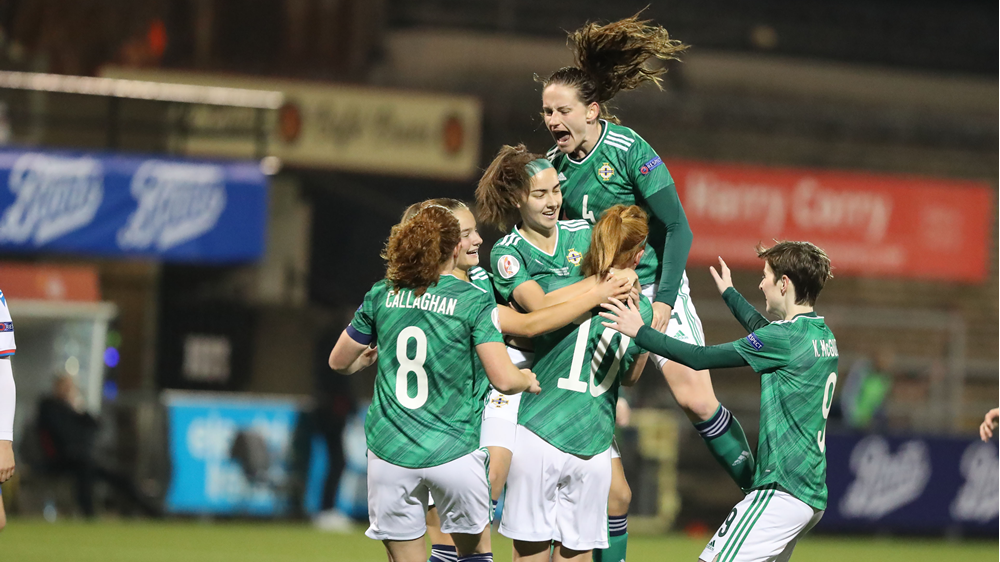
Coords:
605,171
574,257
500,401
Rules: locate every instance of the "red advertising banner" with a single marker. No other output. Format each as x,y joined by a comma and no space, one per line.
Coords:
869,224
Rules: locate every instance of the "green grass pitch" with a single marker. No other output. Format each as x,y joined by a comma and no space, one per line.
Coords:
27,540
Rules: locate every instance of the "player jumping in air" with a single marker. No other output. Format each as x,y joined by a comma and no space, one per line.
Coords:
560,473
602,163
428,325
796,358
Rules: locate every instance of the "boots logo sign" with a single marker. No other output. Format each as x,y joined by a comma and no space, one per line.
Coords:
55,196
178,202
885,481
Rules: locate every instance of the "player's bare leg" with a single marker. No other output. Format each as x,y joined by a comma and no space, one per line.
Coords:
619,499
721,431
468,544
406,551
499,468
441,543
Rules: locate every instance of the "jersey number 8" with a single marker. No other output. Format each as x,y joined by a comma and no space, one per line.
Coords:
572,381
407,366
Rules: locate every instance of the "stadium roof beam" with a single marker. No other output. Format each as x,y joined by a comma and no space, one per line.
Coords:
140,90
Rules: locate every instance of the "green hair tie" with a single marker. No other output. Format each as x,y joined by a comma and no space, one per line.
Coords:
536,166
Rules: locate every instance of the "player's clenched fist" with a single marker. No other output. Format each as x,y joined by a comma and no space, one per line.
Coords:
6,460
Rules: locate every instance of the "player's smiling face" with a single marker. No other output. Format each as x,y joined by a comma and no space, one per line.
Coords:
540,210
773,296
468,245
568,119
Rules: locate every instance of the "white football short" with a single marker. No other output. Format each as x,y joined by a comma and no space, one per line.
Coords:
397,497
764,527
684,324
500,414
553,495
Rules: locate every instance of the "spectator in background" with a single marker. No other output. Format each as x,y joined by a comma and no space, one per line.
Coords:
67,435
866,390
334,403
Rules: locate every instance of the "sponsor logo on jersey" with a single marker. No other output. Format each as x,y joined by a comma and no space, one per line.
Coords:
650,166
560,271
508,266
574,257
606,171
6,326
562,177
711,545
752,338
500,401
177,203
55,196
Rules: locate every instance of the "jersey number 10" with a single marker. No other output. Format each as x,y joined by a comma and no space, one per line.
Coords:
572,381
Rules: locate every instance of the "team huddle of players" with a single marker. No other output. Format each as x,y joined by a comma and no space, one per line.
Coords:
509,381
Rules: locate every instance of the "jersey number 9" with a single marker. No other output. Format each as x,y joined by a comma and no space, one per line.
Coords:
828,388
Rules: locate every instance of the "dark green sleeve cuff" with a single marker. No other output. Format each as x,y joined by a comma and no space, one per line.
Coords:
745,313
694,356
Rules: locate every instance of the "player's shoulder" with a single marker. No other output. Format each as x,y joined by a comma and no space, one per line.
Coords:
622,137
477,273
508,243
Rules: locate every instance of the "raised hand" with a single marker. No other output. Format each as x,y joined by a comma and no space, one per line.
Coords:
723,278
989,424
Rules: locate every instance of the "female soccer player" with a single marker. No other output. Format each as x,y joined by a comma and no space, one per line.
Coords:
796,358
7,401
512,323
535,265
600,164
560,474
427,389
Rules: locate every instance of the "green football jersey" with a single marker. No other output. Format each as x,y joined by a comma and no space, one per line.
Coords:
481,278
621,169
429,395
515,260
579,368
797,361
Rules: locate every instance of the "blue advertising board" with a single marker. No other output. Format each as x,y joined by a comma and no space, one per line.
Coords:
205,476
911,484
106,204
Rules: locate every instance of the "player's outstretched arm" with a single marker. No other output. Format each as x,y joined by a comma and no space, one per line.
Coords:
989,424
350,356
626,319
632,375
745,313
503,375
551,318
666,208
